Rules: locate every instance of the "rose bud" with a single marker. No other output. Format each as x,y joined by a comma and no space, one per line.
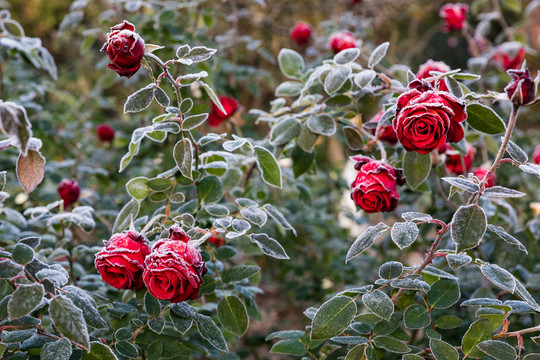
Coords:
174,269
218,242
510,55
121,262
69,191
301,33
375,186
105,133
536,155
125,49
216,116
430,65
454,16
453,159
521,89
386,133
341,41
425,120
481,172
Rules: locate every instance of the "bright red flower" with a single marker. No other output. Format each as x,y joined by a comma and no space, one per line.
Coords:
481,172
121,262
430,65
216,116
453,159
174,269
536,155
510,55
217,241
375,187
105,133
69,191
341,41
125,49
521,90
454,16
301,33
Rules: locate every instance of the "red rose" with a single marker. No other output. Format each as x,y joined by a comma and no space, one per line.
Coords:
105,133
341,41
454,16
480,173
174,269
386,133
430,65
453,159
510,55
354,2
121,262
301,32
69,191
425,120
536,155
217,116
375,186
125,49
521,89
218,242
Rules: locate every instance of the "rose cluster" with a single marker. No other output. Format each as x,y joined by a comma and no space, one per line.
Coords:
171,270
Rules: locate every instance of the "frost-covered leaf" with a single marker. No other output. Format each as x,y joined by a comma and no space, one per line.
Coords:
365,240
507,237
379,304
140,100
269,246
378,54
332,317
404,234
468,227
499,277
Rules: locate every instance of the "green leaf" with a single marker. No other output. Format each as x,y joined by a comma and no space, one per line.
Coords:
378,54
322,124
87,304
289,347
516,152
484,119
468,227
151,305
194,121
306,139
444,293
379,303
291,63
416,168
237,273
458,260
277,216
302,161
269,246
463,184
254,215
284,131
268,165
69,320
507,237
233,315
346,56
156,324
9,269
159,184
391,344
139,100
126,349
289,88
442,350
478,331
502,192
364,78
353,137
498,349
14,123
212,95
57,350
390,270
404,234
416,317
210,189
25,299
332,318
210,331
499,277
365,240
138,188
161,97
448,322
183,157
22,254
336,78
126,216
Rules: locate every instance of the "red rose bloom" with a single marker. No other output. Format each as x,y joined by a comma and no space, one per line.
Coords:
69,191
174,269
510,55
453,159
386,133
125,49
105,133
218,242
375,186
121,262
301,33
454,16
536,155
430,65
341,41
217,116
521,89
480,173
425,120
354,2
